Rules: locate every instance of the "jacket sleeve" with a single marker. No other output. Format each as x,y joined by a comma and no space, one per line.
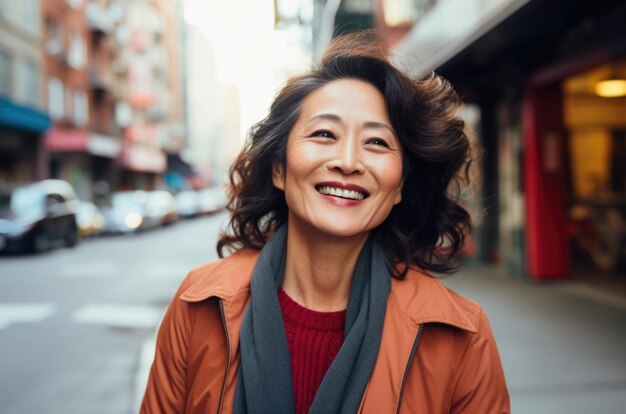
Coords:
166,391
480,386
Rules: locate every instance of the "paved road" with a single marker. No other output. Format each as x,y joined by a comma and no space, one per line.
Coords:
563,345
73,321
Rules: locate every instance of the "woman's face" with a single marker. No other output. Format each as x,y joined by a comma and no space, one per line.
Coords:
344,162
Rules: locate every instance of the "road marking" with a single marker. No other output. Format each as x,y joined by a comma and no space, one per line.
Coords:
162,271
88,270
119,316
11,313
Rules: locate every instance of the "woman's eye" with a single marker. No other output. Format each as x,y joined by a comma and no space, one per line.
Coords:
323,133
378,141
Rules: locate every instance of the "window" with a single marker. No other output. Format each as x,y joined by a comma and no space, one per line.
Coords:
81,108
76,56
29,83
30,16
6,76
54,37
4,8
74,3
68,101
56,100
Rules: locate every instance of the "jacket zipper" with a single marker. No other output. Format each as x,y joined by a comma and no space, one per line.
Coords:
221,303
409,363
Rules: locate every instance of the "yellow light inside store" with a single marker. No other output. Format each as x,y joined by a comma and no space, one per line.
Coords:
612,88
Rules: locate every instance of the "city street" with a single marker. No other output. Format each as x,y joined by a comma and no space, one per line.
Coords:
75,325
562,344
73,321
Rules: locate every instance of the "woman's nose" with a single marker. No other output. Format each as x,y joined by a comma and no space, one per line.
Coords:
347,159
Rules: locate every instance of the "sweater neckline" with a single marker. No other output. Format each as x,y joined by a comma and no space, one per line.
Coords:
298,315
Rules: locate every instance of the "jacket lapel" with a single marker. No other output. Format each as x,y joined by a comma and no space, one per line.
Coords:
416,300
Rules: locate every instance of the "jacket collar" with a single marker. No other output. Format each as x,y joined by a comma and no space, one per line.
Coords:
421,298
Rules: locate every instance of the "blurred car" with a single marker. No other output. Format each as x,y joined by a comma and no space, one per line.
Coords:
160,206
37,216
127,213
211,200
187,203
89,219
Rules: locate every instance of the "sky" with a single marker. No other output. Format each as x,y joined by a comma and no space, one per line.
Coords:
247,48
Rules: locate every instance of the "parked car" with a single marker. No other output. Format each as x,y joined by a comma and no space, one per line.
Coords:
161,206
89,219
187,203
37,216
126,213
211,200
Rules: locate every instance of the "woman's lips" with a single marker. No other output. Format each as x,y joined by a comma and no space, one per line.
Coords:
342,190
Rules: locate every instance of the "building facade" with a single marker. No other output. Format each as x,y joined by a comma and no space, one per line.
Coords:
23,120
112,74
153,102
548,79
66,80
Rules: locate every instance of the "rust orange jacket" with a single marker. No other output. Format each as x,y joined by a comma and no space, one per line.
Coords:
437,354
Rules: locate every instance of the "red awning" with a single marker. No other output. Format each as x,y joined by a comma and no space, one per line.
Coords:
66,140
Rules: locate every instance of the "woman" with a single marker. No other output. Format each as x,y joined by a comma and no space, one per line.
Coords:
342,203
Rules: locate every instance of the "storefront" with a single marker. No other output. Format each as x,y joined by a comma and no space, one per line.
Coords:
595,119
555,147
22,156
141,167
82,158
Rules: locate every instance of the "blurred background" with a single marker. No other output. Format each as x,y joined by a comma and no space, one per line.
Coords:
119,119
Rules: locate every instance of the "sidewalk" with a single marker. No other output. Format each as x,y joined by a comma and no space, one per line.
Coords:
562,344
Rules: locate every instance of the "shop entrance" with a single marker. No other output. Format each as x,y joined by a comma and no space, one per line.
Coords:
595,119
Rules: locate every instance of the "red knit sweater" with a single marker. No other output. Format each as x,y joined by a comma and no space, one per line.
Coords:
314,339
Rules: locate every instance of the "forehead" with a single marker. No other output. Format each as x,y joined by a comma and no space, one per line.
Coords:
347,98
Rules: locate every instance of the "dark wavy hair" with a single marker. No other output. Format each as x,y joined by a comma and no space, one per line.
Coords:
429,226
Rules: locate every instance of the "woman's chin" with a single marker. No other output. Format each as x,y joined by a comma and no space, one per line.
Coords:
335,229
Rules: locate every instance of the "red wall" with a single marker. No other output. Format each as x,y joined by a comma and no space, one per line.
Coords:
545,183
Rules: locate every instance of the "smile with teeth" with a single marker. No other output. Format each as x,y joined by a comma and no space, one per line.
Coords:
339,192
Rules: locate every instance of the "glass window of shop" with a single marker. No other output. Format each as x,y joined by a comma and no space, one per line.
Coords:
596,125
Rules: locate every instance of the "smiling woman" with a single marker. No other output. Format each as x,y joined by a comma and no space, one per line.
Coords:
343,200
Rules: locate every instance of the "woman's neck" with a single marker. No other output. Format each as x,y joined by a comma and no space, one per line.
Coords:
319,268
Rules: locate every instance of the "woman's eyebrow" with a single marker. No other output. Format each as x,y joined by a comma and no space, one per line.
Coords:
327,117
368,124
374,124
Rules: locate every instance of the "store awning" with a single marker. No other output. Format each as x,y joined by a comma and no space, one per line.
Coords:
66,140
450,27
73,140
140,158
22,117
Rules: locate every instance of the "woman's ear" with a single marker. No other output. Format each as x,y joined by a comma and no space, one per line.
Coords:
399,193
278,178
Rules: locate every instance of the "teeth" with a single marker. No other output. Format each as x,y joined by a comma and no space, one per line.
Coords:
339,192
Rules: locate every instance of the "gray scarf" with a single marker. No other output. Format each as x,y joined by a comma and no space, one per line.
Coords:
264,379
